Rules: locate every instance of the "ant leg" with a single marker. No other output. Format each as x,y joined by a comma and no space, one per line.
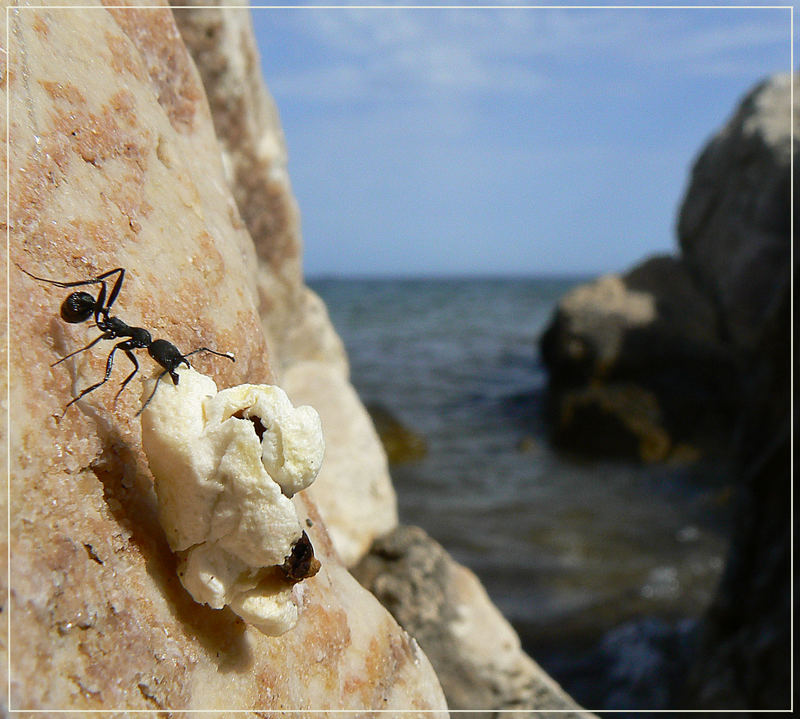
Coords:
147,401
213,352
117,286
93,281
109,365
132,358
100,306
103,336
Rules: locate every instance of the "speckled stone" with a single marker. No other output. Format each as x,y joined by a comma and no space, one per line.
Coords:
114,163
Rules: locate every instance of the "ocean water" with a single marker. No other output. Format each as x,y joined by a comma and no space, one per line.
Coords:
603,567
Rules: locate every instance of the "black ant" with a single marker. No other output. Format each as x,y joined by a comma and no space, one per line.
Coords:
82,306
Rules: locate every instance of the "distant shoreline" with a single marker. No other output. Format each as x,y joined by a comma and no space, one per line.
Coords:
437,277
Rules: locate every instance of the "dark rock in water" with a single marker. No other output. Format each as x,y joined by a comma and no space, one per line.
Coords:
745,653
631,358
705,338
613,420
401,443
658,360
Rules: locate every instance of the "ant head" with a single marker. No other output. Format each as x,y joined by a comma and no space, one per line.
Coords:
168,356
78,307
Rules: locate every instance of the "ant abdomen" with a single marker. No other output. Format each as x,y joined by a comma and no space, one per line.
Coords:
78,307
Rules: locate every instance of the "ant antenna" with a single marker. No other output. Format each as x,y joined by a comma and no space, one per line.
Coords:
171,371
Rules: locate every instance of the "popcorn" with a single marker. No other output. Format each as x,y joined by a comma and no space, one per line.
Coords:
226,465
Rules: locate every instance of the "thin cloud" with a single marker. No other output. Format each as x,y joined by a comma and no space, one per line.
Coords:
325,84
462,125
712,41
453,52
371,55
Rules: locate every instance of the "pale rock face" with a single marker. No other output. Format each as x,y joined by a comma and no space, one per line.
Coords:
114,163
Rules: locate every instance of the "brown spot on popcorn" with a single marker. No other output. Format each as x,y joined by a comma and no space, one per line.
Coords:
301,563
259,428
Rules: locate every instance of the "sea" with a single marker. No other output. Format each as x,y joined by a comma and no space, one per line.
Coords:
602,567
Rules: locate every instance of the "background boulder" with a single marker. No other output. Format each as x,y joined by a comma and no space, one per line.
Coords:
654,363
630,358
703,343
738,237
735,220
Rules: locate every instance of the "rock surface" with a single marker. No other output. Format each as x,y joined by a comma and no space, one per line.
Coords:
353,491
114,163
735,219
474,650
727,299
742,183
630,358
4,413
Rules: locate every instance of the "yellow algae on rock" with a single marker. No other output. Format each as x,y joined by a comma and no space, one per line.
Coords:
225,466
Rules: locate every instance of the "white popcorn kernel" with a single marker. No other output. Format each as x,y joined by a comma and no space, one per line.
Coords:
290,451
269,607
208,572
225,465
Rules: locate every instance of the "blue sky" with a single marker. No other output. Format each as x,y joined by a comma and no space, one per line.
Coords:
502,141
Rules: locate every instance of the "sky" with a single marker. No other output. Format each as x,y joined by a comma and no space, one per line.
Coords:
519,141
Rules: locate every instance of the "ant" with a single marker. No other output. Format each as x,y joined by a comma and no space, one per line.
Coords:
82,306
